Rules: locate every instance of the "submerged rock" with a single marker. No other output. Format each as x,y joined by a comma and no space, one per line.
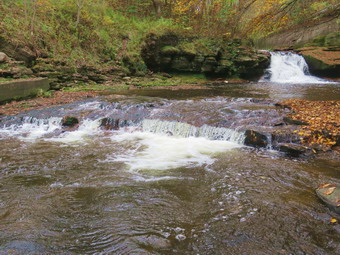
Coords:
22,247
330,195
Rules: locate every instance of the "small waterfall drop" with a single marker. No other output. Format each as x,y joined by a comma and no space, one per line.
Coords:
32,128
185,130
288,67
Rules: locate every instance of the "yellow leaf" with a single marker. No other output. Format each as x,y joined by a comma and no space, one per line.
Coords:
333,221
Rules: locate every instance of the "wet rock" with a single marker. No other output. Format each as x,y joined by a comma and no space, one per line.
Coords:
320,67
109,124
290,121
330,195
293,150
255,139
284,135
69,121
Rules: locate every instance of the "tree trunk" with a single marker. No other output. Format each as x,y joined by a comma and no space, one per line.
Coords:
33,16
158,7
80,6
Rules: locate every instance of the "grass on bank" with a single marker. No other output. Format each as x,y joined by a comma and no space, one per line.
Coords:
143,82
102,35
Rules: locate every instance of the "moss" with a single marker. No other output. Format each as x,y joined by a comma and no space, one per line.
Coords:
69,121
169,50
176,80
188,48
4,66
202,46
318,41
5,79
95,87
333,39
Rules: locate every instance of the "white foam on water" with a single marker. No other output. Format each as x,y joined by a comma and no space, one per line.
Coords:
186,130
162,152
31,128
140,178
86,130
288,67
95,105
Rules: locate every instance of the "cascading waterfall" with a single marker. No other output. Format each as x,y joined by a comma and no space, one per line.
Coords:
186,130
32,128
152,144
288,67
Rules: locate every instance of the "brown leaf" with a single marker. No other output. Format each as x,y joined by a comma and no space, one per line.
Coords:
324,185
329,191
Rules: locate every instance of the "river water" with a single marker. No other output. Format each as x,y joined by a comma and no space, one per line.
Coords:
166,172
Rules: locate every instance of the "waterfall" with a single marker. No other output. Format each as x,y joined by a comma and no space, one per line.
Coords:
180,129
32,128
288,67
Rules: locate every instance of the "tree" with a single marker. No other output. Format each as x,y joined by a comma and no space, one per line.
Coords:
80,5
157,4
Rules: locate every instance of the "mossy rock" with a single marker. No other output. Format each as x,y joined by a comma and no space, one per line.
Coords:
332,39
188,48
318,41
69,121
169,50
320,68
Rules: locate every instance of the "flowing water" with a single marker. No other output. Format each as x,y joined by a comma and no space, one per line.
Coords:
163,172
288,67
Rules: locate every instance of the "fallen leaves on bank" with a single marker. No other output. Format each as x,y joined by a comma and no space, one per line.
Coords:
58,98
323,118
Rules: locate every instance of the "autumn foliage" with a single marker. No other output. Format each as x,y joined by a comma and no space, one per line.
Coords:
323,118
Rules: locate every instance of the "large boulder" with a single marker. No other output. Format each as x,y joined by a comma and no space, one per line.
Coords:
293,150
323,55
3,58
17,52
323,66
225,58
256,139
330,195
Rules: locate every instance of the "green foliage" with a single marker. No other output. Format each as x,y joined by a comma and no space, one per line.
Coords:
42,93
111,32
95,87
102,34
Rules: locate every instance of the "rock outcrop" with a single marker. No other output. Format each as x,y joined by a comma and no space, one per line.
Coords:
224,58
17,52
3,58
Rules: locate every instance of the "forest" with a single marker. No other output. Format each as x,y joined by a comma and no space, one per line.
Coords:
96,31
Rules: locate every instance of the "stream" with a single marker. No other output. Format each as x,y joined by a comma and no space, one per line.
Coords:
155,171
